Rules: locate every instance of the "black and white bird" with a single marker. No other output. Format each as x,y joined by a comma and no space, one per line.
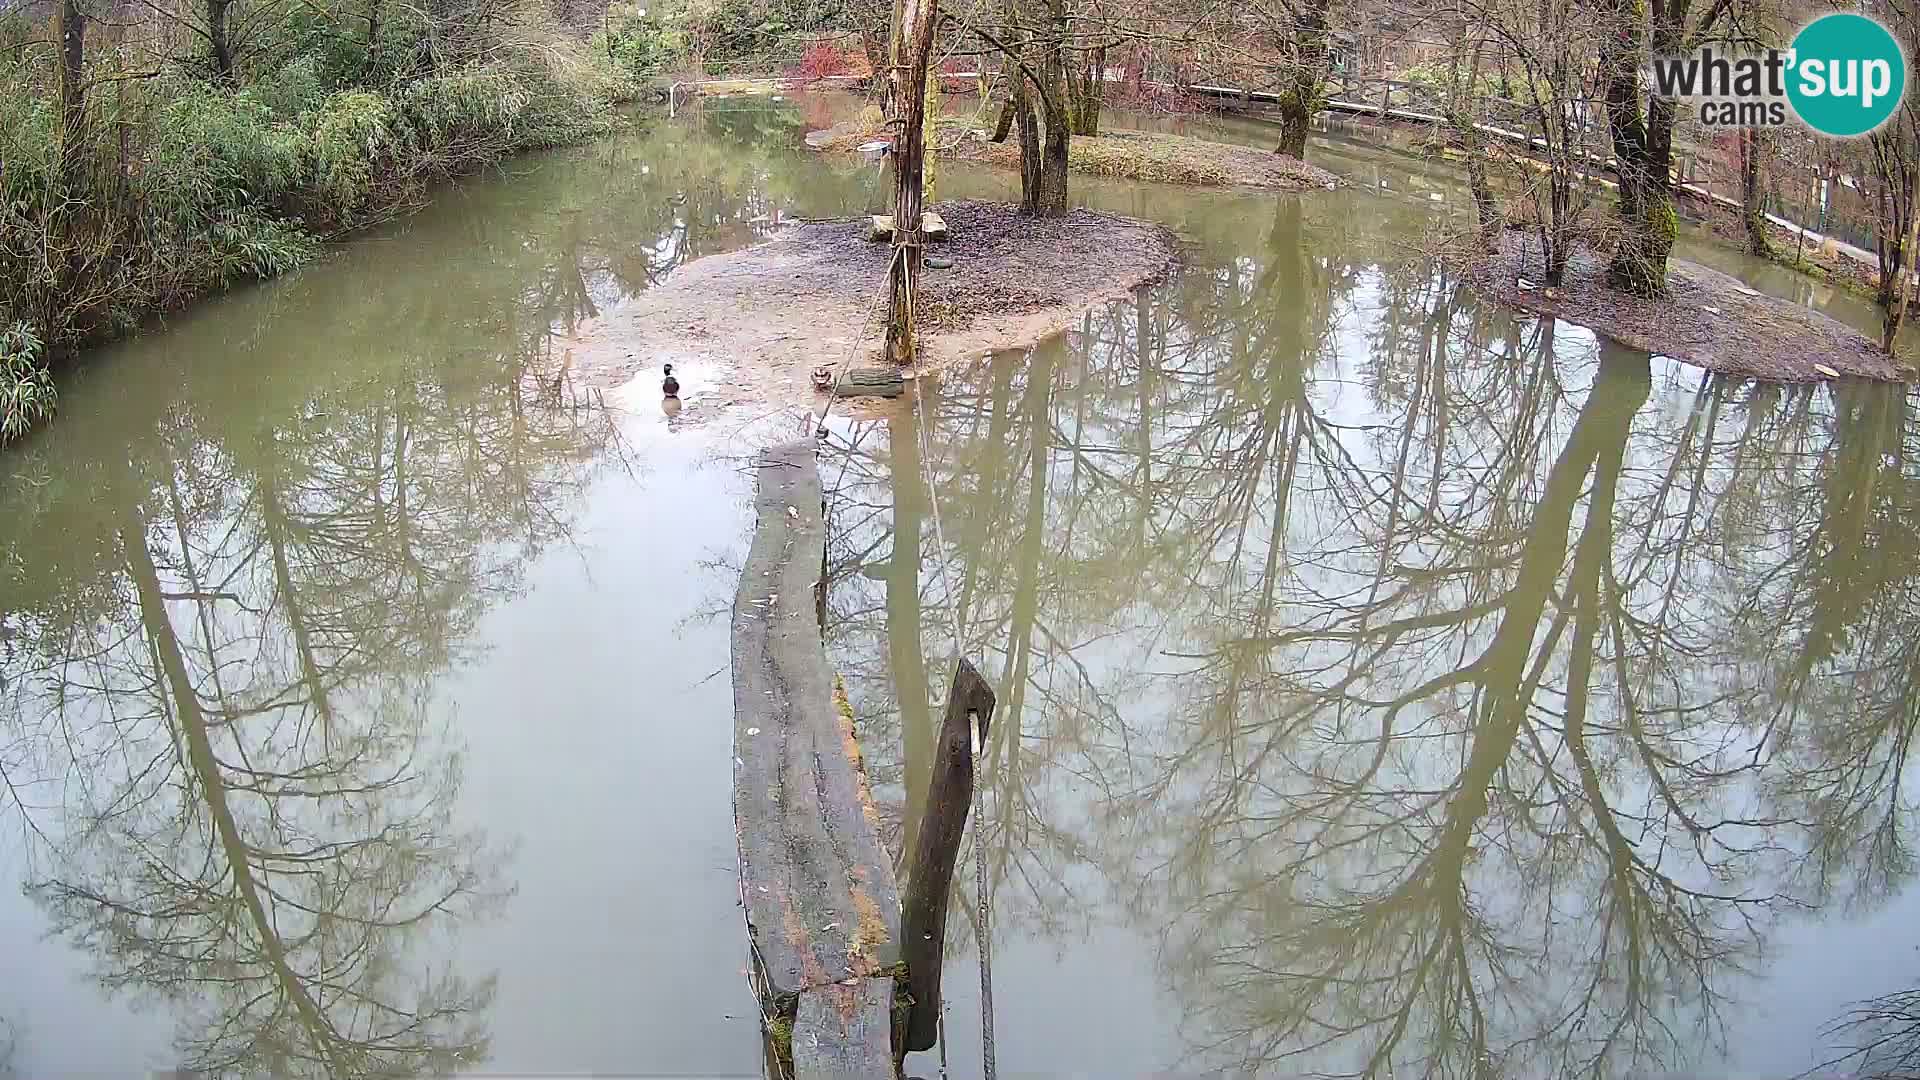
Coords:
670,386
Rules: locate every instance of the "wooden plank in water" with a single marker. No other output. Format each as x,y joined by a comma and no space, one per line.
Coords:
843,1032
822,906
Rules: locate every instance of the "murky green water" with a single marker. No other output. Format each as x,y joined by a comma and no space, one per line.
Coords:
1385,682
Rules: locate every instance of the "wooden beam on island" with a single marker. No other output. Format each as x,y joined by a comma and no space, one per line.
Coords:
818,888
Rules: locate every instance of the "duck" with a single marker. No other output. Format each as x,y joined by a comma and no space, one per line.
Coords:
670,386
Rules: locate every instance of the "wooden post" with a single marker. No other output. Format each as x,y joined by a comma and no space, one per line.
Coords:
923,919
909,80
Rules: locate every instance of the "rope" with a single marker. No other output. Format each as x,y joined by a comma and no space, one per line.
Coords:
941,1022
853,346
984,933
979,737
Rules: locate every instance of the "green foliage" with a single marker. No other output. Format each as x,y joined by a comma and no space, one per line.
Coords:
26,388
347,139
181,186
1436,78
212,150
639,42
15,31
740,29
26,141
290,89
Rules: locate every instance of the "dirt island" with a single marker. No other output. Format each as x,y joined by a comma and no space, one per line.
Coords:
1705,317
761,320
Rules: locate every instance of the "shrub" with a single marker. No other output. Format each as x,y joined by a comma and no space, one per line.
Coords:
26,388
291,89
183,187
822,60
638,43
345,140
210,150
738,29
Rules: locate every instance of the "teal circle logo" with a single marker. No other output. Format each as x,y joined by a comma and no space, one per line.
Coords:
1847,75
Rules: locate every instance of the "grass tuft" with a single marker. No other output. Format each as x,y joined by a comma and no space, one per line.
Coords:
26,388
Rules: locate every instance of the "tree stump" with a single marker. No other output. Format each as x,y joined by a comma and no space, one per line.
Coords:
923,919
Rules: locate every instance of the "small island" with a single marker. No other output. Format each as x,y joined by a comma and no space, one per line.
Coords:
1703,316
766,316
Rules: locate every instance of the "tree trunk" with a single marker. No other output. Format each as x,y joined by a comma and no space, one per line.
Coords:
1051,199
1896,286
1465,116
887,72
1307,80
1087,89
908,81
218,41
930,113
1004,125
1893,212
1648,221
1043,162
1643,156
1753,213
1028,123
1017,106
73,102
374,12
1295,121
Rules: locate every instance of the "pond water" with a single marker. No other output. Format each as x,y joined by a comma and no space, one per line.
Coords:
1388,684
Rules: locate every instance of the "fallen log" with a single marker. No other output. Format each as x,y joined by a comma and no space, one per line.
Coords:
817,886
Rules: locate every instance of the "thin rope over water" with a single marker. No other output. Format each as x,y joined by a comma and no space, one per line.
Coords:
985,931
833,392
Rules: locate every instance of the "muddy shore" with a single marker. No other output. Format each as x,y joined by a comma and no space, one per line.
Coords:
755,323
1706,318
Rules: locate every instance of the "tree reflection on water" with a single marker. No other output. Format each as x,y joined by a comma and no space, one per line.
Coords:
225,734
1448,694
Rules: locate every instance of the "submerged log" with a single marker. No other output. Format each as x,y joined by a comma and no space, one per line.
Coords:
818,887
936,847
